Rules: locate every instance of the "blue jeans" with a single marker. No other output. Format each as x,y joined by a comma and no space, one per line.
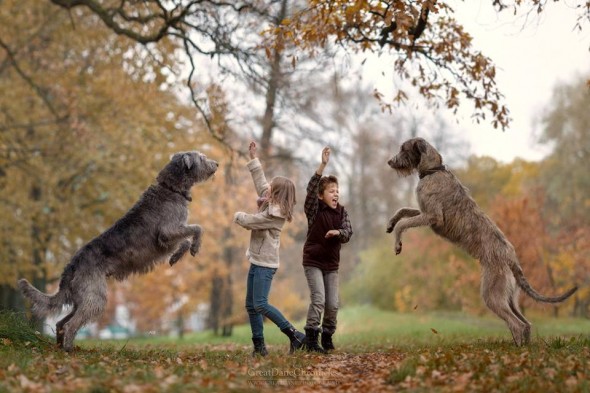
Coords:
257,289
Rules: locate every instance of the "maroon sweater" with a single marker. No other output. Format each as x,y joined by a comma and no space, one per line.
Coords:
318,251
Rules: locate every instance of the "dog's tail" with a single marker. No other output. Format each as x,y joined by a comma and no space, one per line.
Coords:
43,305
524,284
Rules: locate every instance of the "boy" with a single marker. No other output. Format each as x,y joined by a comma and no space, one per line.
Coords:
328,227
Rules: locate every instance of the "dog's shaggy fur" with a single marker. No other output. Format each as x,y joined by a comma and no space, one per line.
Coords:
445,206
153,231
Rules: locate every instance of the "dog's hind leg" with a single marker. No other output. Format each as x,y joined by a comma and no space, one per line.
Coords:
59,328
90,299
513,303
497,296
179,253
401,213
517,327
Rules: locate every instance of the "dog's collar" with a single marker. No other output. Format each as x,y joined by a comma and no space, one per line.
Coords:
185,194
430,171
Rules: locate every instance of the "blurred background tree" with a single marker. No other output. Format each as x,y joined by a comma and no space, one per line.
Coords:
98,94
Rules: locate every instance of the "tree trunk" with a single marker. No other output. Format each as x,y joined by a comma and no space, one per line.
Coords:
180,324
221,310
11,299
274,84
215,303
228,301
39,281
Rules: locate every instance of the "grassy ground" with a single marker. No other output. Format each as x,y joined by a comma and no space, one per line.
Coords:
377,351
368,327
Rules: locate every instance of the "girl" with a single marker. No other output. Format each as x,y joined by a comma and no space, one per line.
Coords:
276,203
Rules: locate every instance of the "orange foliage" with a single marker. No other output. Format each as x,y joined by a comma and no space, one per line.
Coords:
521,220
431,50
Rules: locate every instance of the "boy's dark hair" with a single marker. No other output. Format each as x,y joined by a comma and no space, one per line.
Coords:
325,181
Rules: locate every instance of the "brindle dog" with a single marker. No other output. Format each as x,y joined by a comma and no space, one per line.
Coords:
447,207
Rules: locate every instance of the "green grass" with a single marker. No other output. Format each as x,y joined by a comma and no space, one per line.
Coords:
376,350
16,328
367,327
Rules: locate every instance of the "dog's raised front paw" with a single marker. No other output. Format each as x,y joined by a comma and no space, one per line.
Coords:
398,248
195,247
391,225
175,258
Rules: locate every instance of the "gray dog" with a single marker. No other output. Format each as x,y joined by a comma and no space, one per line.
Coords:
153,231
446,206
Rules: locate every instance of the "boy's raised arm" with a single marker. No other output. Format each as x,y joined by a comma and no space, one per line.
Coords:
325,158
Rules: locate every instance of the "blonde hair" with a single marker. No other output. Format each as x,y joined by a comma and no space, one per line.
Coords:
283,194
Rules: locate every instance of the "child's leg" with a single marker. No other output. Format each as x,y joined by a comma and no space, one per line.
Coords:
261,282
315,282
331,311
256,321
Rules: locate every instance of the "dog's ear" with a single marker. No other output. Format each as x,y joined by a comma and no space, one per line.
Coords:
420,146
187,160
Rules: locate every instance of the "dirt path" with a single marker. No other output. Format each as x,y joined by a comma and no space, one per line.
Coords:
343,372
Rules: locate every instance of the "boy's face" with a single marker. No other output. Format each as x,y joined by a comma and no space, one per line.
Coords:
330,195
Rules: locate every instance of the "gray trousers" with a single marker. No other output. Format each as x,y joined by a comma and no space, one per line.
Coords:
323,288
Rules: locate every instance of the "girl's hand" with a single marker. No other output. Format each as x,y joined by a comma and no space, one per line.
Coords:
325,155
252,150
332,233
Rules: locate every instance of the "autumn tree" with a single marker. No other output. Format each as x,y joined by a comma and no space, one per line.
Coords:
226,32
83,131
522,222
431,50
566,127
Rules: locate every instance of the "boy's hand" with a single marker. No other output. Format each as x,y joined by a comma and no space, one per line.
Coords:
332,233
325,155
252,150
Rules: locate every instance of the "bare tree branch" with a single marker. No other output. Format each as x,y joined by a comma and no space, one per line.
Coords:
41,92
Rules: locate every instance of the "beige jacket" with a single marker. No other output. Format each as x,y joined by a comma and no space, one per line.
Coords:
266,226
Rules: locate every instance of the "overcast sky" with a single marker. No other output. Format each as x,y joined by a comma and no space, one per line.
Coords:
531,58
